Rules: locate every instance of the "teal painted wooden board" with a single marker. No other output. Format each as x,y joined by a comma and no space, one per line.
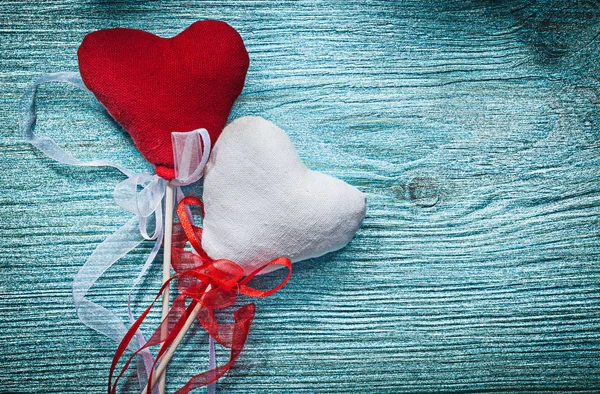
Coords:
473,126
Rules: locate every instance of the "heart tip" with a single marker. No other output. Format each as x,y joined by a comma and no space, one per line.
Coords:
165,173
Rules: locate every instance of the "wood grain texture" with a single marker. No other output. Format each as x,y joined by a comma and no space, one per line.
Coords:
474,128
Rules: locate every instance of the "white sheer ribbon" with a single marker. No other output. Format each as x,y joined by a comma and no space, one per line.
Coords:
191,151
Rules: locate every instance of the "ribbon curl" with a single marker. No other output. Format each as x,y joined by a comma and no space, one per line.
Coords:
210,284
191,151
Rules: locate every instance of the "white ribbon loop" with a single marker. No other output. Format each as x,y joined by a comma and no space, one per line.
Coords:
27,118
191,151
142,203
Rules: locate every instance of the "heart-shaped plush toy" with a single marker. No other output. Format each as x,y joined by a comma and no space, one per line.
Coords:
154,86
261,202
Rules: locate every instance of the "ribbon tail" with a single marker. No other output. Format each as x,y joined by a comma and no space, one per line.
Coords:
243,321
146,356
115,246
174,321
28,117
144,363
212,364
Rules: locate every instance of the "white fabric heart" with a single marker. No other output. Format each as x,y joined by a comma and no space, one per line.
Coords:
261,202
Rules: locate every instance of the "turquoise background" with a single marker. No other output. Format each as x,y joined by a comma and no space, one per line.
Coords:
473,126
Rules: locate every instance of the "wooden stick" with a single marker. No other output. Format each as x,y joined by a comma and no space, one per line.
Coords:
169,353
169,194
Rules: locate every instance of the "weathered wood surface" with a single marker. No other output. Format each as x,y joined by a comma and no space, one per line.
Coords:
472,125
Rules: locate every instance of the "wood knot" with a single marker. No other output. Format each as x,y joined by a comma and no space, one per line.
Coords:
423,191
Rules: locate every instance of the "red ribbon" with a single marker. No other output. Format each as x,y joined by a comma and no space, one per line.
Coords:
195,272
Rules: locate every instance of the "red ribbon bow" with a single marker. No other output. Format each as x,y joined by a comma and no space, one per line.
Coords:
211,284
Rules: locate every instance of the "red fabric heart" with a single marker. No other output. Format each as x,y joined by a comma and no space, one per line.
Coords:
154,86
